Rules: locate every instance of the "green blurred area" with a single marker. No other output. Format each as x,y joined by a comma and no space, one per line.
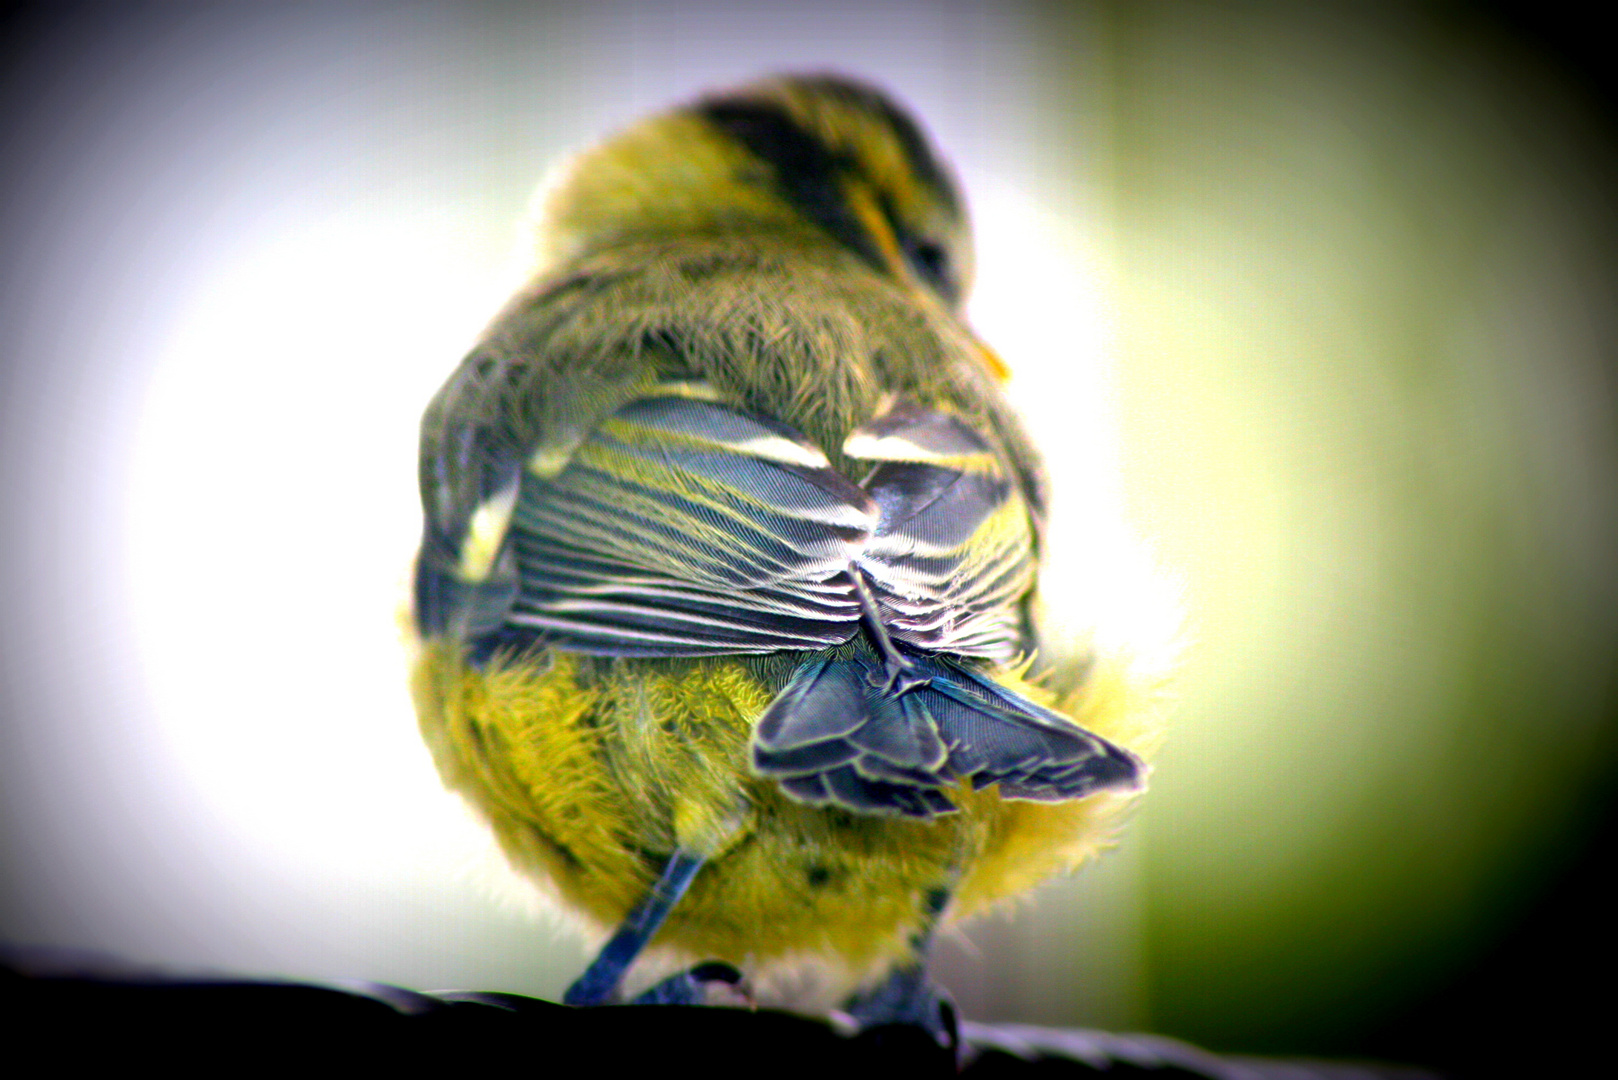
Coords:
1367,390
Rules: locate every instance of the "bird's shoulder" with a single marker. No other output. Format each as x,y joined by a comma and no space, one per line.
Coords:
800,333
804,333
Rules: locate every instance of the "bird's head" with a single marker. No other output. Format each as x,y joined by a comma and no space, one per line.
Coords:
814,159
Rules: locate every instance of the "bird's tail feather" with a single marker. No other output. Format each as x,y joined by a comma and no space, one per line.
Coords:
842,733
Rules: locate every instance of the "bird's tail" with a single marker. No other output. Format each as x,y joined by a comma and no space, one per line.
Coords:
843,733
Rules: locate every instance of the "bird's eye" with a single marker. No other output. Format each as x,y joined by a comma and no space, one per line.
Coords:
930,260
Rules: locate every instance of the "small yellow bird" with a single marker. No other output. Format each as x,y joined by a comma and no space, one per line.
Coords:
726,594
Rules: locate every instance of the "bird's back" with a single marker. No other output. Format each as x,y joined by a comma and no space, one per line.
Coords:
594,768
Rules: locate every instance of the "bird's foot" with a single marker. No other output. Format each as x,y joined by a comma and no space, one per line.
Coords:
907,996
711,983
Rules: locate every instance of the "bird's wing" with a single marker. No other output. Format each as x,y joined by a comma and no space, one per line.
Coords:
948,564
953,553
681,526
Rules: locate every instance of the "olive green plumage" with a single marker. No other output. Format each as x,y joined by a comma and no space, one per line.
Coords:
760,293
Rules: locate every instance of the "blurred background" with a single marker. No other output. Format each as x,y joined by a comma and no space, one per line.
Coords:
1313,312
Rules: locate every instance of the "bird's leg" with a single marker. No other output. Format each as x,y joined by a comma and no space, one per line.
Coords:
600,981
907,995
900,668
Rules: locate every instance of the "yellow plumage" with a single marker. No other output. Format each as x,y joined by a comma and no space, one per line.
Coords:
580,781
729,559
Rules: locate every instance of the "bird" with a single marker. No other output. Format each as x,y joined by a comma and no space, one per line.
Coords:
726,613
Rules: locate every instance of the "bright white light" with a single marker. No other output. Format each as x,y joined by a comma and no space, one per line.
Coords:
272,518
1043,303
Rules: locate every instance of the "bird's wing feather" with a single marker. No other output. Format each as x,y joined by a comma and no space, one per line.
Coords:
953,552
684,527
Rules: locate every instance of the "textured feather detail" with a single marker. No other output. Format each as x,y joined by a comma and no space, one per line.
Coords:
953,551
838,735
466,580
907,431
683,527
446,603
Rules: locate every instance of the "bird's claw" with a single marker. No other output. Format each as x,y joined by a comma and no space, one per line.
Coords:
712,983
908,996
